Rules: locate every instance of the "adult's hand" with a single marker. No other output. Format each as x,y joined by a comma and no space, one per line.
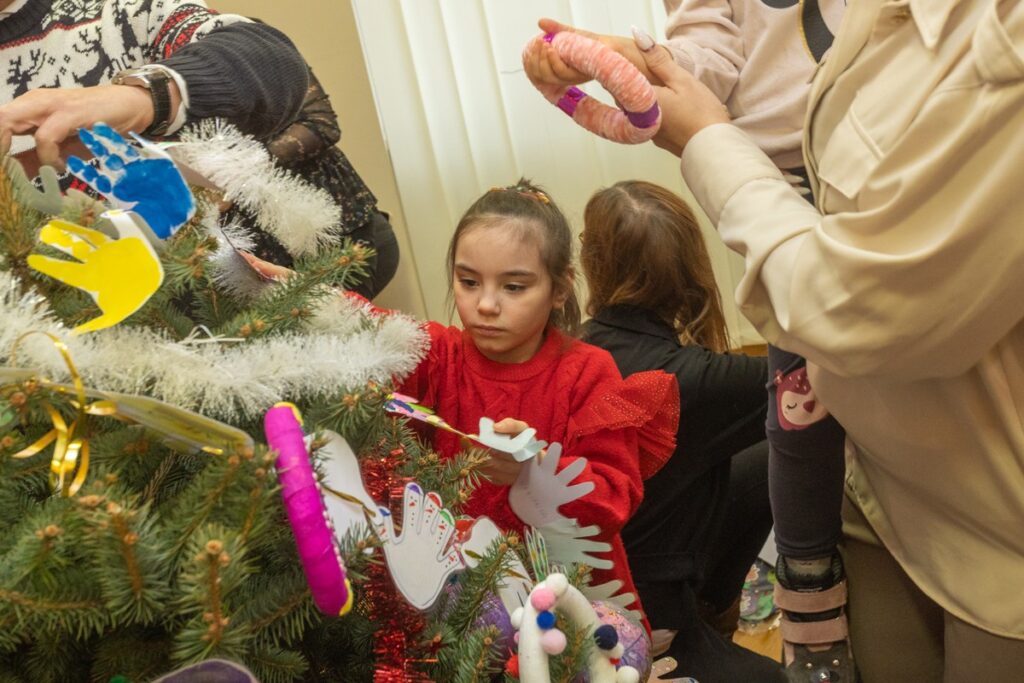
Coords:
687,106
545,67
52,115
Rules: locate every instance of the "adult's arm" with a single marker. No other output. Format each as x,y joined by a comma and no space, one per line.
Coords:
245,72
920,278
313,131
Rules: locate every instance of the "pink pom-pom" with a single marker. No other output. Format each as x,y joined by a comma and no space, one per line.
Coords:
553,642
542,599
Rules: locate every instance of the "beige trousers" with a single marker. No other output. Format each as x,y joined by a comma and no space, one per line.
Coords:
899,634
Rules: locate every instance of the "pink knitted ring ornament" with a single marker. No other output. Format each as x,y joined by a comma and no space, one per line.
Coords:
639,117
318,550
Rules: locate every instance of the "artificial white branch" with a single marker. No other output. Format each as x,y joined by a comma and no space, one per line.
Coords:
302,217
224,379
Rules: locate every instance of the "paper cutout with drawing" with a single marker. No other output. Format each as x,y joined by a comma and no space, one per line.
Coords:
420,558
521,447
119,274
145,182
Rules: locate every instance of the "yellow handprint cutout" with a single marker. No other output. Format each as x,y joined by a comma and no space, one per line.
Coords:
120,275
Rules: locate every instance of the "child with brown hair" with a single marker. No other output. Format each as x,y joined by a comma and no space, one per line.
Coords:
514,361
705,514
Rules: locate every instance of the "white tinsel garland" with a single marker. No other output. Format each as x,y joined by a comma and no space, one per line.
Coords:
303,218
223,379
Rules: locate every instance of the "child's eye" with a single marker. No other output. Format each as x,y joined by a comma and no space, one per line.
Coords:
512,287
467,282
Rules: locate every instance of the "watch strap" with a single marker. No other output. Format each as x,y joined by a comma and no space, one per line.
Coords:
158,83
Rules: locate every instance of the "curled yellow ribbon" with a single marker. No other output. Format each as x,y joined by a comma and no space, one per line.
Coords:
180,428
71,442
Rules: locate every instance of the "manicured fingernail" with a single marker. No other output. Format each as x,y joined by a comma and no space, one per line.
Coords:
643,39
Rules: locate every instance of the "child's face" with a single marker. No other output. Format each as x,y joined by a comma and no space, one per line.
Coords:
503,292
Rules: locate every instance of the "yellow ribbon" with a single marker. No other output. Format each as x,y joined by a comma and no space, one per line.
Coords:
71,442
179,428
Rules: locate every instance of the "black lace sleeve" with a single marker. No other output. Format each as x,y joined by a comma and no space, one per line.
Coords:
313,131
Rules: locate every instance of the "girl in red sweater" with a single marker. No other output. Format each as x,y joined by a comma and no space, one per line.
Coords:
510,262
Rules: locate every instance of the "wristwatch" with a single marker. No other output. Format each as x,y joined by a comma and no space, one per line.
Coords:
158,83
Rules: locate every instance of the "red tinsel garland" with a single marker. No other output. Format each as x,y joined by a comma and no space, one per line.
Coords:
397,641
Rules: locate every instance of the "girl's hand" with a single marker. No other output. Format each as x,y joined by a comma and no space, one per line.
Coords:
546,67
502,469
266,268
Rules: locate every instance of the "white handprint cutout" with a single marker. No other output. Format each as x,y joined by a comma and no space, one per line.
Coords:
521,447
535,498
514,588
609,592
570,543
342,476
421,557
540,489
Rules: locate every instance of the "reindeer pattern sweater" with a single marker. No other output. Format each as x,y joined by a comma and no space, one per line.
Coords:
246,72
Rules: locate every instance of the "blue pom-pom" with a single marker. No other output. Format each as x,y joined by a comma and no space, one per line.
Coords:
606,637
546,619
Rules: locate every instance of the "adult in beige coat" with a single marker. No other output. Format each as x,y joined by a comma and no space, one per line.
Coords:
904,289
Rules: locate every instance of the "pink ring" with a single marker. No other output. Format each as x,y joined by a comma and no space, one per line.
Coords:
638,119
307,514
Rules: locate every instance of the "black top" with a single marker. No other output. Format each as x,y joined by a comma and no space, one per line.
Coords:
723,404
722,397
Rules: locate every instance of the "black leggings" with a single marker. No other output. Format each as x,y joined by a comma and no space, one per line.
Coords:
806,466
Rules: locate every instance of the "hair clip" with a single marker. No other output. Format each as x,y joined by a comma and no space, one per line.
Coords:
526,192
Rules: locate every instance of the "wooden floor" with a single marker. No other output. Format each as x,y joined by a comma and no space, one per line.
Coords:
768,643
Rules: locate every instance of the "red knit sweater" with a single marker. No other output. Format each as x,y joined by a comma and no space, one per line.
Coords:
569,393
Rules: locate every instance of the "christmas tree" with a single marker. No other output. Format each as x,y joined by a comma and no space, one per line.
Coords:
141,538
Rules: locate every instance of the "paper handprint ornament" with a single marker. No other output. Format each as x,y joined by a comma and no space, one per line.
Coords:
421,557
147,183
119,274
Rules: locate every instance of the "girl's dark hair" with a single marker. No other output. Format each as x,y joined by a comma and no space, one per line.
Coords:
537,216
642,246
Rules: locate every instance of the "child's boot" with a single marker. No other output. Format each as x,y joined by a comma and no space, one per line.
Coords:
815,634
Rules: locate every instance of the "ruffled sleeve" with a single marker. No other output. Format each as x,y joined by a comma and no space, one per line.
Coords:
645,401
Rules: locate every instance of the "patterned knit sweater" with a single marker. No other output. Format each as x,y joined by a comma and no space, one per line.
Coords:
246,72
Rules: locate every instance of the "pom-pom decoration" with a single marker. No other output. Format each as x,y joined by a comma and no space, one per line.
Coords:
638,119
537,642
633,646
318,549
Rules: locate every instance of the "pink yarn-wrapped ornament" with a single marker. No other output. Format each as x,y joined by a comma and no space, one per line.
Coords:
638,119
318,550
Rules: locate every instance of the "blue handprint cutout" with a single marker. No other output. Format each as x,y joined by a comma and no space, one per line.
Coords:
148,184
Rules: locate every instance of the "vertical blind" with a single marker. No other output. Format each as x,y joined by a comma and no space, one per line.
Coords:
459,117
